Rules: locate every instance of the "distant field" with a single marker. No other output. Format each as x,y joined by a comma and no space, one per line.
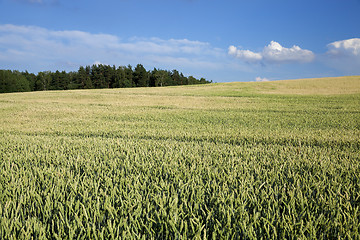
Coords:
227,160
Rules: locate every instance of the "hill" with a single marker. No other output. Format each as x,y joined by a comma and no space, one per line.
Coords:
311,86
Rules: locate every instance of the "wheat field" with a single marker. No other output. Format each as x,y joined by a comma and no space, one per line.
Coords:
269,160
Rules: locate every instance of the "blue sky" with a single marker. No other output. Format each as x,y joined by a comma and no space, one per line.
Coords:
223,41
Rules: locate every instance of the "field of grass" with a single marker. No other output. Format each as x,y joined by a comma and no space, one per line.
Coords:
268,160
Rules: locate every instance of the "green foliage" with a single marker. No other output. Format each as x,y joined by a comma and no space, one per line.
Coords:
141,78
96,76
13,81
219,161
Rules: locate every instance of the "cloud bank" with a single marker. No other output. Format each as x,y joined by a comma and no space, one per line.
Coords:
36,49
43,49
273,53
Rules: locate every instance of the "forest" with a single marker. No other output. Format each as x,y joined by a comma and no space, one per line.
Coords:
93,77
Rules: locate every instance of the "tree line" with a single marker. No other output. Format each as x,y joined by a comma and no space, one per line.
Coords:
91,77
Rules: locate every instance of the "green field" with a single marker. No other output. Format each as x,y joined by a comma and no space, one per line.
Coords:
268,160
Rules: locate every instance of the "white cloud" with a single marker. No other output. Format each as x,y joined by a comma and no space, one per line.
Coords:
97,63
246,55
344,55
345,47
259,79
40,48
171,46
274,53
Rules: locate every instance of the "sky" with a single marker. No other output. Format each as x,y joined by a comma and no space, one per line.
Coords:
220,40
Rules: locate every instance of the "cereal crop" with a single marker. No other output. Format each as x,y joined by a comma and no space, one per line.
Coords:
277,160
